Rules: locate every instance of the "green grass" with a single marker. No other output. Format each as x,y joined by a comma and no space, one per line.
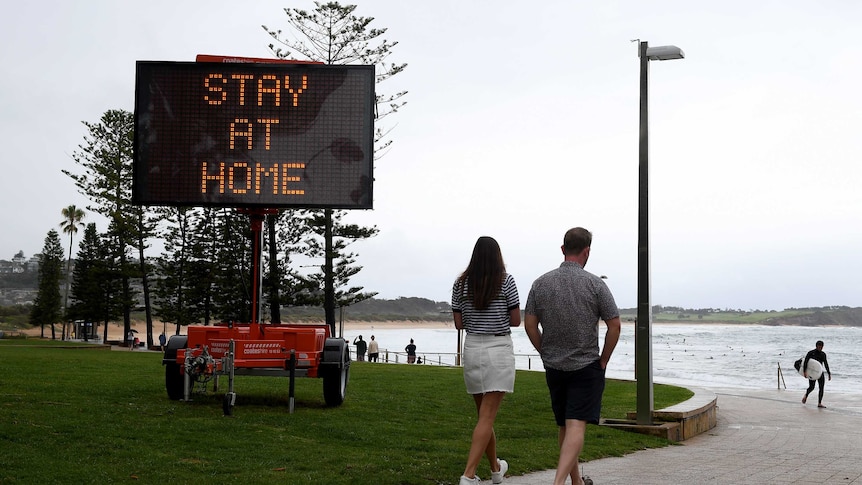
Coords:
98,416
730,317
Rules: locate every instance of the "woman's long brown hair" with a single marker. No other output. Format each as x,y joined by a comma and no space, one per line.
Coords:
484,274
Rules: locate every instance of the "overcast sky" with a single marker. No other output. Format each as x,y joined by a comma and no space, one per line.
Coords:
521,122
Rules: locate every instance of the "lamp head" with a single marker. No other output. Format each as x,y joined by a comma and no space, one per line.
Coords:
664,53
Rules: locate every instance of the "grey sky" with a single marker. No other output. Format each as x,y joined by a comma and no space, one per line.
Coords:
521,122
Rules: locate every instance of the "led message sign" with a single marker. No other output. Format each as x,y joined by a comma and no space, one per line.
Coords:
272,135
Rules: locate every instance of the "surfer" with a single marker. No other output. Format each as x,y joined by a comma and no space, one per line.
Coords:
820,356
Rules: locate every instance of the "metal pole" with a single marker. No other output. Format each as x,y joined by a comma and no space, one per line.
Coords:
643,324
458,353
292,383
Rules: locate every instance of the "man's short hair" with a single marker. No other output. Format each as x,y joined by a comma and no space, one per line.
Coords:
819,343
576,240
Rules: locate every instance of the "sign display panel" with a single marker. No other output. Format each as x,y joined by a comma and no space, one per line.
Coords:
243,135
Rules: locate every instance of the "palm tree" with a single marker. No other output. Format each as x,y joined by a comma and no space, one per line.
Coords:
72,217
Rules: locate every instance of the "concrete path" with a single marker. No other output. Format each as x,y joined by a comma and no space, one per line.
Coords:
762,437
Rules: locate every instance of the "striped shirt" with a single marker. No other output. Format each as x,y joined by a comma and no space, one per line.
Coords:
569,302
492,320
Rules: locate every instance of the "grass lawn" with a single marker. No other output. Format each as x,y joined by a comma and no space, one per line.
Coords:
98,416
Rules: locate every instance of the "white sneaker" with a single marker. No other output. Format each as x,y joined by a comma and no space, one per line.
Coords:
497,477
469,481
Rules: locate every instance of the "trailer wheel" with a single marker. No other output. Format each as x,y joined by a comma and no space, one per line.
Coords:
173,375
335,379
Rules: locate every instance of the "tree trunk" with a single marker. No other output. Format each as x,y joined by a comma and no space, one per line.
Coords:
127,297
66,292
145,281
274,276
329,277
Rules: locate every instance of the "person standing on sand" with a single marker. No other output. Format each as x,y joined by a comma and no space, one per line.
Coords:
485,303
131,338
568,303
820,356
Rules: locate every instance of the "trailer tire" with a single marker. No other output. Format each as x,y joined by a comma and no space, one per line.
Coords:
174,378
336,377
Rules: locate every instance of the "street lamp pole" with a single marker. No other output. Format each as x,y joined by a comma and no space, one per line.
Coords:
643,323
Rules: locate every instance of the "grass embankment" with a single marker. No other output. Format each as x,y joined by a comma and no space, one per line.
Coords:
785,317
97,416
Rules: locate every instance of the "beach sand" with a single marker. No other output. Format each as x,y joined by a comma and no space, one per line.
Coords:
115,330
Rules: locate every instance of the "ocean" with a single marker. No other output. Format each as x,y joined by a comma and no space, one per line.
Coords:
701,355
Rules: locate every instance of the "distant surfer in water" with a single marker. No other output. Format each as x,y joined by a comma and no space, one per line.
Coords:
820,356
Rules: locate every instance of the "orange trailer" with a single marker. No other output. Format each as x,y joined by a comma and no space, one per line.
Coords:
256,349
277,350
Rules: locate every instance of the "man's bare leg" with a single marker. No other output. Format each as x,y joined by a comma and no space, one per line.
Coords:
571,444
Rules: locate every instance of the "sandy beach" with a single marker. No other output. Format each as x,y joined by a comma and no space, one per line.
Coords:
115,330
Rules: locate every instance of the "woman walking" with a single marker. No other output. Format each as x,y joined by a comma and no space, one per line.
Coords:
485,303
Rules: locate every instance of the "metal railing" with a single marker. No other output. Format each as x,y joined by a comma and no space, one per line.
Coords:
447,359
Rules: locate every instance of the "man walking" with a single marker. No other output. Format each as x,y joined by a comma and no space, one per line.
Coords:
820,356
568,303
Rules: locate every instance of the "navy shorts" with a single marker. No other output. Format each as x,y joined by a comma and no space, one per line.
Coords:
577,394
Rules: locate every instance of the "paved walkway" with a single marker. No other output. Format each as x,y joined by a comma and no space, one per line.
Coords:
762,437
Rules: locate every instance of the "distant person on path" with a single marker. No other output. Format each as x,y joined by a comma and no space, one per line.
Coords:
361,346
411,352
486,305
373,350
162,341
131,338
568,302
820,356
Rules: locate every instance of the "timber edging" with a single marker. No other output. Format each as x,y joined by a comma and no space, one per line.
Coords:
678,422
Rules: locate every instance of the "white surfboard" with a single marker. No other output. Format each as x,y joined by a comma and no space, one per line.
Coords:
815,369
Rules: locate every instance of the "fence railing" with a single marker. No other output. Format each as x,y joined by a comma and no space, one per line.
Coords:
447,359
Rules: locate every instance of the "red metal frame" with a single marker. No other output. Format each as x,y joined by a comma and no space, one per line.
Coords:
262,345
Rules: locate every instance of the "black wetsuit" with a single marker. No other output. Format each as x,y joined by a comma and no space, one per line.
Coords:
819,356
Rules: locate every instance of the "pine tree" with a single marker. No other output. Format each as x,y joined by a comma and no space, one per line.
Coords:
204,266
95,285
334,35
106,157
233,272
173,289
47,308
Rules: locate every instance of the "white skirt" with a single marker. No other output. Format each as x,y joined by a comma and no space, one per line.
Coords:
489,363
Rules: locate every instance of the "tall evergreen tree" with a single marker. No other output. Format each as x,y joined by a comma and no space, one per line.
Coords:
343,268
117,296
204,266
332,34
106,157
174,288
47,309
95,283
145,228
232,275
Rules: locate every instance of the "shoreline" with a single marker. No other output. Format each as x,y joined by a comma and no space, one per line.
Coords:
115,330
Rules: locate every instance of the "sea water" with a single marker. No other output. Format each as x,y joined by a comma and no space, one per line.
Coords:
703,355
